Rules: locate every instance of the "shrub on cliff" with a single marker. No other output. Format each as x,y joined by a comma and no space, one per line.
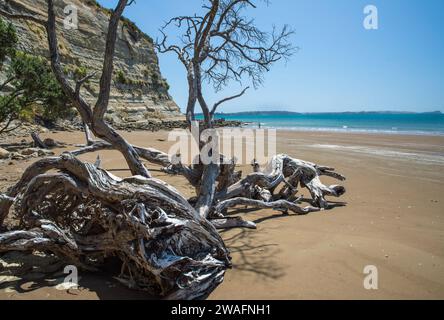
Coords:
30,90
8,40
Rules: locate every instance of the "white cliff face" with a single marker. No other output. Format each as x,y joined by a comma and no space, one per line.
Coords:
139,92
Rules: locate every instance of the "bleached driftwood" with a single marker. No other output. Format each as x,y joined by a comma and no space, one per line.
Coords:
84,214
37,141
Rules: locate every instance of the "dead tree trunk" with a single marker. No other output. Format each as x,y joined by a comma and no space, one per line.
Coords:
192,94
94,117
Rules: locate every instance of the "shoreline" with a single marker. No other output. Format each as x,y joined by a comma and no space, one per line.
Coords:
348,131
167,126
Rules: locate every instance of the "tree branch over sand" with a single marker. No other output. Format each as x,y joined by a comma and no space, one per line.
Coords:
167,245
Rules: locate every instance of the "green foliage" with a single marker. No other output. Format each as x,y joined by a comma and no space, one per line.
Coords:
157,81
133,29
166,85
75,72
155,78
31,89
8,41
121,78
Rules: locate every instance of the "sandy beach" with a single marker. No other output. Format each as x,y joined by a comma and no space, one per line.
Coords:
394,220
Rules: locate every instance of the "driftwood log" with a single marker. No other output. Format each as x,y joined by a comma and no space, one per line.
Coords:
84,214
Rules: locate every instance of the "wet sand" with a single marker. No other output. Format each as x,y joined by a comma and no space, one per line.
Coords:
394,220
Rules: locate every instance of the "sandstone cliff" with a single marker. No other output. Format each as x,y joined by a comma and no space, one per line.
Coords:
138,92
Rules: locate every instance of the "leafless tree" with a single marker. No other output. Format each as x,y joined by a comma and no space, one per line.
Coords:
167,245
219,46
223,45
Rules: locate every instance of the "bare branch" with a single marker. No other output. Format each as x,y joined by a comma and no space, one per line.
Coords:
95,118
203,33
80,82
216,105
281,205
81,105
107,70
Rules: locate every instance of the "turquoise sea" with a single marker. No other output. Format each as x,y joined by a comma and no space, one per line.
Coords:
394,123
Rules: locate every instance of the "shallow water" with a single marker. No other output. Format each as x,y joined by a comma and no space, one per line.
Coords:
420,124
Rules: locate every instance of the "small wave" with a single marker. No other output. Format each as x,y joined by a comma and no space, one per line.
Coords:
400,155
346,129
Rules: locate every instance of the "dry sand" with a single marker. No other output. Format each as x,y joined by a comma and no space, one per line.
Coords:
394,220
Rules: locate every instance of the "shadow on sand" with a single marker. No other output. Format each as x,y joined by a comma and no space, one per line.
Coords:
21,276
252,252
21,273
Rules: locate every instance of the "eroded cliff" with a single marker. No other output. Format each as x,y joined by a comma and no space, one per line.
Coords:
139,92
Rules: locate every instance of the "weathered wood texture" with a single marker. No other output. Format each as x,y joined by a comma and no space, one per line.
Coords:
84,214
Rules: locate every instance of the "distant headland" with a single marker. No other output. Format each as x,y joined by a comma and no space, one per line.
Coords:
250,113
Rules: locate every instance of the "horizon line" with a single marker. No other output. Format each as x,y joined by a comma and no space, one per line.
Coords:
317,112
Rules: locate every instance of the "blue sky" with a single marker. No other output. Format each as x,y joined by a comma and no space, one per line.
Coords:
340,66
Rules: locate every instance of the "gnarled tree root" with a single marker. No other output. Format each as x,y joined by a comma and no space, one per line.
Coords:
291,173
259,190
84,214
